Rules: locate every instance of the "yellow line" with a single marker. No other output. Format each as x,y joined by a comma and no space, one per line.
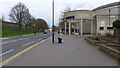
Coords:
11,58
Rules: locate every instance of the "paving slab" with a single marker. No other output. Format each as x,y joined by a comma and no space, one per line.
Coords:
74,51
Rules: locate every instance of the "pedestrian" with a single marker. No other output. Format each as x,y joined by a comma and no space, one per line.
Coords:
34,33
58,32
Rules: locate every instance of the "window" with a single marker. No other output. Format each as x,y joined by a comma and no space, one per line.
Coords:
102,23
109,28
70,17
101,28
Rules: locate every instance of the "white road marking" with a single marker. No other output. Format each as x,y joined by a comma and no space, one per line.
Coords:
5,38
10,41
20,39
28,43
6,52
14,40
4,42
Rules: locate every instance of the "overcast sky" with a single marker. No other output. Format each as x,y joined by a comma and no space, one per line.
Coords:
43,8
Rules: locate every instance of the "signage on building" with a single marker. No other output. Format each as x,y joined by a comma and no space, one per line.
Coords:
70,17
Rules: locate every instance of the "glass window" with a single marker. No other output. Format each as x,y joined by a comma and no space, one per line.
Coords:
102,23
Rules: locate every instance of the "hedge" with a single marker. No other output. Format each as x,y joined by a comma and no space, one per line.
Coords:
116,24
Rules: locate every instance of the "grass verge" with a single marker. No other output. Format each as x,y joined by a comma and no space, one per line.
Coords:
8,31
113,47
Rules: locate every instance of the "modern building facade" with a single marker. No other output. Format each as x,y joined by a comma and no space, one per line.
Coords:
97,21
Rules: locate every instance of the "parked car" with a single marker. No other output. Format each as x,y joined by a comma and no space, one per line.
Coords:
44,32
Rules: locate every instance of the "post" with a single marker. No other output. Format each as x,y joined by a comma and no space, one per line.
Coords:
109,17
77,26
69,28
109,20
65,27
81,28
53,22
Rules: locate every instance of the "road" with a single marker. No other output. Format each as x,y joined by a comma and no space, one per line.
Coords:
14,45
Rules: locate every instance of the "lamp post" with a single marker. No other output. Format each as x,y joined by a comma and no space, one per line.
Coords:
109,20
53,21
109,17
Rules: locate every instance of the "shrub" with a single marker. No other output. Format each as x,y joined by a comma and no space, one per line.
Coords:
96,38
116,24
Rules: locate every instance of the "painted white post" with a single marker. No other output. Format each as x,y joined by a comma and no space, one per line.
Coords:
69,28
65,27
81,27
92,27
77,26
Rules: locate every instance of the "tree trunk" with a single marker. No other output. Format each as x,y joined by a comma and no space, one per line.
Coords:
26,27
20,28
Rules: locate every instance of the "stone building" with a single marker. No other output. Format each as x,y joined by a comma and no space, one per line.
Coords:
97,21
105,16
79,21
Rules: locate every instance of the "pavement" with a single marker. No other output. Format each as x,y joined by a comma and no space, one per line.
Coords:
74,51
13,45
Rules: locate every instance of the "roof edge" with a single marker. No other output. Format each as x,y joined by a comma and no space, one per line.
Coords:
107,5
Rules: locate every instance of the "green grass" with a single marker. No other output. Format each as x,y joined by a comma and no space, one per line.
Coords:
8,31
113,47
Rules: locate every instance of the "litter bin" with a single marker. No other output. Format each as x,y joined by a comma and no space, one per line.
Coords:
59,40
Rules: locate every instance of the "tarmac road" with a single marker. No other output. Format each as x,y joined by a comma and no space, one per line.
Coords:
14,45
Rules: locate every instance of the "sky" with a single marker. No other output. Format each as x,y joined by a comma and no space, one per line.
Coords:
43,8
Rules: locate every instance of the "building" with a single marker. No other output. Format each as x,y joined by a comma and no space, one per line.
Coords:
97,21
105,16
78,21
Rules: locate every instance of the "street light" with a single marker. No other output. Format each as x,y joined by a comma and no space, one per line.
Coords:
109,17
109,20
53,21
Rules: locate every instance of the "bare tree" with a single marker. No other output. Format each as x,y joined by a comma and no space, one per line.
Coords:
62,20
27,19
32,22
19,14
65,10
